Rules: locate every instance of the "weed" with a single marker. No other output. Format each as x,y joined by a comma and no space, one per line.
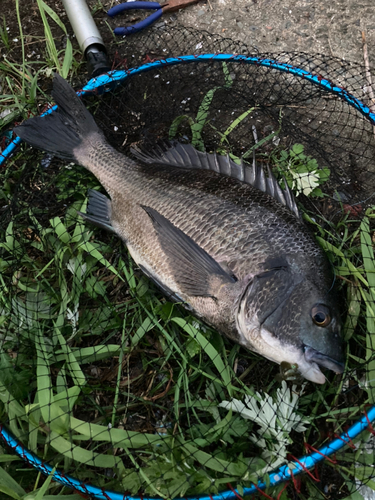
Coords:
200,121
20,89
97,7
301,172
4,34
53,54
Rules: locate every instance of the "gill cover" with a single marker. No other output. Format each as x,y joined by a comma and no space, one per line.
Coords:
266,293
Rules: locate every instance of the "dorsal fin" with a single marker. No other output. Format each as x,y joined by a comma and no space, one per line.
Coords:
186,156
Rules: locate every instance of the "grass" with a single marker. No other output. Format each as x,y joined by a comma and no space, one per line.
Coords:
86,338
4,34
21,92
72,271
54,57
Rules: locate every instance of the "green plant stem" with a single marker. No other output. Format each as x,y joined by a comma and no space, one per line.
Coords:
119,371
22,46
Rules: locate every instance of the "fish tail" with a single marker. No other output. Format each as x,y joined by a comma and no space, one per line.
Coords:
63,133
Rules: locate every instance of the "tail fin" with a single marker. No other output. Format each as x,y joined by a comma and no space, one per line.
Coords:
64,130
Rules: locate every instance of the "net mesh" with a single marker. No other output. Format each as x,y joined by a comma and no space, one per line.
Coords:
102,376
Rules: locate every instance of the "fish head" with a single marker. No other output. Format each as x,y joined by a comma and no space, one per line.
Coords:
289,318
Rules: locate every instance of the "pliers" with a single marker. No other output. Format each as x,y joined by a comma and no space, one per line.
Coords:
170,6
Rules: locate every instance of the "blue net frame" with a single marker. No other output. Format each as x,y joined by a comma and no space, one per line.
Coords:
105,83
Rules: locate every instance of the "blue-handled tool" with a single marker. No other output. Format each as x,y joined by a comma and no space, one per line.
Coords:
170,6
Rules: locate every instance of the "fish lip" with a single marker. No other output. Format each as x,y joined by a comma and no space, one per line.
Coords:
314,356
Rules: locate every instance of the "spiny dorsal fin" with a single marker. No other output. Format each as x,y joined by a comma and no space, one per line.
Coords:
186,156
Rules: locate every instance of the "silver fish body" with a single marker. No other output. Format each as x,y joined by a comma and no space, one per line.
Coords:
230,250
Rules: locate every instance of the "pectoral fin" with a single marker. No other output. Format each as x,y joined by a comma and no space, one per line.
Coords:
194,270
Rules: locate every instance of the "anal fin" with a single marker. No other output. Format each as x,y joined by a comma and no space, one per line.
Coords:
99,210
171,295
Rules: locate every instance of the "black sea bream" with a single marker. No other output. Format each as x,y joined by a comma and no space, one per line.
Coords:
222,238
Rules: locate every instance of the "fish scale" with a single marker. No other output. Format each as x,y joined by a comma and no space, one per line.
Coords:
223,239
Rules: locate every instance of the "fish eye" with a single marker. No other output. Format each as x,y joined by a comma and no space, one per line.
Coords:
320,315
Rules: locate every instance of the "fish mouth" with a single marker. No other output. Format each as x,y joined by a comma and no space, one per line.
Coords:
314,356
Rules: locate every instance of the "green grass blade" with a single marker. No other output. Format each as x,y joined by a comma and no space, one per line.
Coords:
22,46
146,326
228,79
208,349
328,247
119,371
176,123
259,144
44,385
53,15
50,42
117,437
34,417
370,345
367,252
86,355
6,481
73,365
9,491
81,455
217,464
60,229
8,458
203,110
94,252
235,123
43,489
68,59
354,308
201,119
68,56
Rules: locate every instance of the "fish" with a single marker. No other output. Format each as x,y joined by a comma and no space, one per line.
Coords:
224,239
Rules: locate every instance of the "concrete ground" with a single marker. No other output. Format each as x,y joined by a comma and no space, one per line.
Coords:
331,28
313,26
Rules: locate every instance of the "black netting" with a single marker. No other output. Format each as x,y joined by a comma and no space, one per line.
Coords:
102,376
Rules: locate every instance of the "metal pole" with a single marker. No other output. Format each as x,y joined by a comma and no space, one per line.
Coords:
88,36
